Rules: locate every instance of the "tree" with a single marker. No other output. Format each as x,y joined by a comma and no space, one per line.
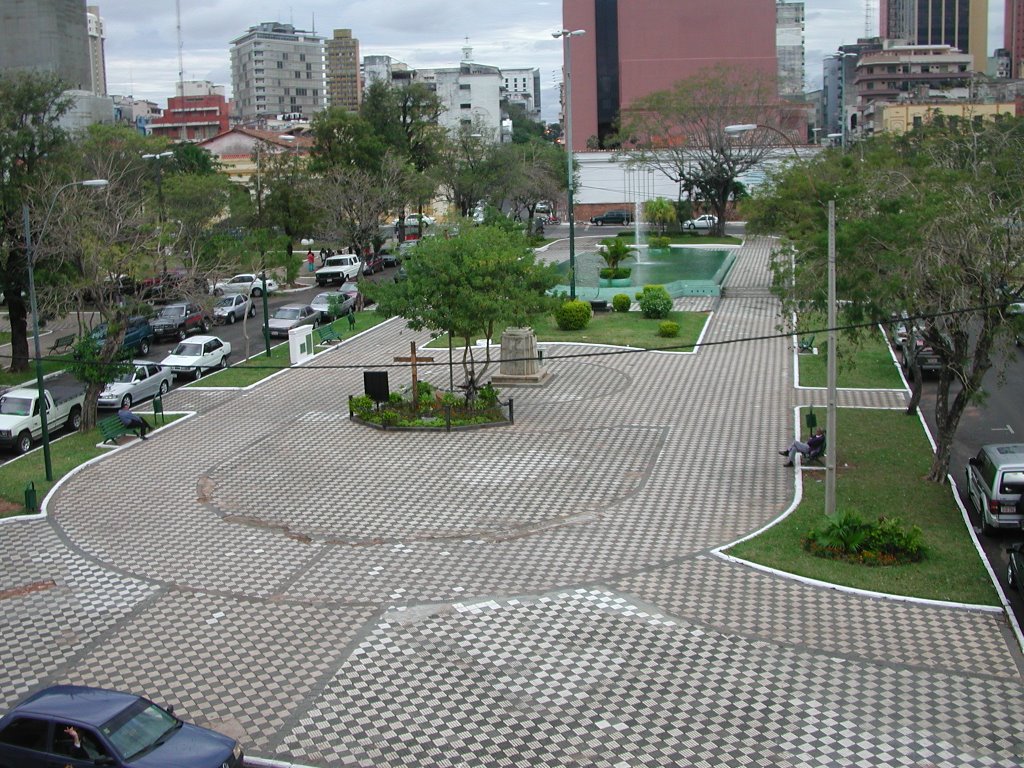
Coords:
30,107
468,168
681,132
469,286
531,172
343,139
194,204
405,120
929,224
287,189
661,212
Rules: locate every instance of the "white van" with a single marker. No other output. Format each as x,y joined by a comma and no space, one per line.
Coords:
995,482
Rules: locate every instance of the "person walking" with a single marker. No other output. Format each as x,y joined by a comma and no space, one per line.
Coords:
812,446
310,259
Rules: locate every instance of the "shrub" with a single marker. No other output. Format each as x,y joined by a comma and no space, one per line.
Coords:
394,397
658,243
389,418
845,536
668,329
614,251
573,315
452,400
487,396
362,406
888,536
616,273
621,302
654,301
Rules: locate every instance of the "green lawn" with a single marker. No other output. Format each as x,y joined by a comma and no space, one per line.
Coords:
256,368
622,329
883,459
864,363
65,454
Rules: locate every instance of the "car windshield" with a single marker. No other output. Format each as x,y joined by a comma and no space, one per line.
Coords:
172,311
286,313
242,279
322,298
227,301
139,729
126,378
15,406
187,349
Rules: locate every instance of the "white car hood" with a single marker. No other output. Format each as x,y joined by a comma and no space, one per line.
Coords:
180,360
10,421
118,388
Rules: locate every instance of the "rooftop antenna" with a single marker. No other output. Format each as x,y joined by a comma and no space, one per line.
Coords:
181,64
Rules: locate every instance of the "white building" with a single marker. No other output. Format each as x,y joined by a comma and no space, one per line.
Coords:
522,86
97,57
789,46
471,97
277,69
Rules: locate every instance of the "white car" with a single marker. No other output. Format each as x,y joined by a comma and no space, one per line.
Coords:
146,379
412,221
707,221
346,302
232,307
248,283
197,356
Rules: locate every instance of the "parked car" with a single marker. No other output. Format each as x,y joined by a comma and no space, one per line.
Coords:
138,335
391,258
292,316
233,307
249,283
372,264
612,217
346,302
706,222
339,269
197,356
413,221
20,423
146,379
915,346
113,729
1015,566
995,482
176,321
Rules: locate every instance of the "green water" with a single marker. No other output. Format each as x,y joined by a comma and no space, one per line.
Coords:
675,268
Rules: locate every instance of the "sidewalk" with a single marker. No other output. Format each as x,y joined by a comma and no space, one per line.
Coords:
538,595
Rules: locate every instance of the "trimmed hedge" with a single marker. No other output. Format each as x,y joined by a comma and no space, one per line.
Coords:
573,315
621,302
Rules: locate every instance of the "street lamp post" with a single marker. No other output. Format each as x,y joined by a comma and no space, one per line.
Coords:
158,159
831,384
566,36
30,257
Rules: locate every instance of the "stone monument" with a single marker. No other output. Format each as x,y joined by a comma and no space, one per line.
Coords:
520,364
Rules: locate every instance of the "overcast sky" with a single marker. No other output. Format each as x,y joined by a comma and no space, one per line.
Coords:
142,48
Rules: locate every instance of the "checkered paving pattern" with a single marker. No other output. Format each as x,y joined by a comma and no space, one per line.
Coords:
541,594
589,678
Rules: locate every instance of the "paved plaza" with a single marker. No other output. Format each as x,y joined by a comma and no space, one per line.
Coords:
544,594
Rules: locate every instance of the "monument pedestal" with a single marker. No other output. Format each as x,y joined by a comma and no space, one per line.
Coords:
520,365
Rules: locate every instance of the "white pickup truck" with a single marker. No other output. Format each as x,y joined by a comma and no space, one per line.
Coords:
339,269
19,416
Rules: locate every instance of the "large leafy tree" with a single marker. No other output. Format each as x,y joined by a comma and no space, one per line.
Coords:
468,168
681,132
405,119
929,223
30,107
469,286
530,173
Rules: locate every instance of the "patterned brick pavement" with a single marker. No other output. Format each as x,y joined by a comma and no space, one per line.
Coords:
537,595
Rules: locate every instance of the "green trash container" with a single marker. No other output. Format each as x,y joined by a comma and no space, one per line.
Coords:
812,420
31,504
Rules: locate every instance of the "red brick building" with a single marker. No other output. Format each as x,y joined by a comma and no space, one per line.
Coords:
192,118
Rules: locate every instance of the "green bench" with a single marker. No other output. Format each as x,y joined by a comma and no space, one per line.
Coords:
111,428
327,334
806,344
63,342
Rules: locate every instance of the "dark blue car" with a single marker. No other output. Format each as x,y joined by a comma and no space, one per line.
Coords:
71,725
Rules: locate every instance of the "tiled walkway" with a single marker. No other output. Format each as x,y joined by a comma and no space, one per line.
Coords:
535,595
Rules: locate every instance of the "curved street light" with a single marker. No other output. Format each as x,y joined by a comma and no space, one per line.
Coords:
831,384
30,256
566,36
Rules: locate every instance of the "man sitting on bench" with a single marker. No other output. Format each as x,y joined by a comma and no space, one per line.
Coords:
133,421
812,448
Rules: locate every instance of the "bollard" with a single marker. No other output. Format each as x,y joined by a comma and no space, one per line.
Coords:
540,357
30,497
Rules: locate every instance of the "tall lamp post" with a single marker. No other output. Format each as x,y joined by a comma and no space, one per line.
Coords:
831,397
566,36
33,308
158,159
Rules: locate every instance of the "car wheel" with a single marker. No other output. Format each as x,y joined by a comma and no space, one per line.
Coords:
25,442
164,386
197,374
126,401
223,362
181,334
231,318
218,292
205,326
1011,579
74,419
144,347
252,310
256,292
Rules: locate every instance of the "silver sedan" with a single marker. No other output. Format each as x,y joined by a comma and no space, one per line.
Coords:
146,379
292,316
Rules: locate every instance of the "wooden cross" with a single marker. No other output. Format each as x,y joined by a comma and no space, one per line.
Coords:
414,358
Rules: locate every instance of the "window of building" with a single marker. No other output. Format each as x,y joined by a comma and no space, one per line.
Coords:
284,57
918,121
302,57
300,92
465,106
464,86
280,64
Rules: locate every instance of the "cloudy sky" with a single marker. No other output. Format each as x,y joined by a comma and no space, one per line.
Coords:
142,48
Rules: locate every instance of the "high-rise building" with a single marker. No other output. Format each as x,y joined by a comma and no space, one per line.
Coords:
522,86
277,69
344,81
46,36
1013,35
789,46
97,59
631,49
962,24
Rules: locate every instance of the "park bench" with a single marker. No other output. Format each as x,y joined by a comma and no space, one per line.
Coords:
111,428
63,342
327,334
815,454
599,305
806,344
